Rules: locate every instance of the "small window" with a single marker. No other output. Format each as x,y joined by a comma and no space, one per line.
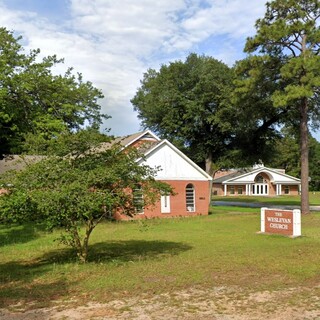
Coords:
260,179
240,190
286,190
138,199
190,196
231,189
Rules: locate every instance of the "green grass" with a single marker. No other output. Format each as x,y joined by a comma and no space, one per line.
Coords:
155,256
314,198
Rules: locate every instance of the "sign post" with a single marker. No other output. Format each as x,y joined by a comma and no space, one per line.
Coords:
284,222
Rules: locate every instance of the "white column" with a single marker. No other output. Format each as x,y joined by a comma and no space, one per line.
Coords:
262,221
225,189
296,223
279,189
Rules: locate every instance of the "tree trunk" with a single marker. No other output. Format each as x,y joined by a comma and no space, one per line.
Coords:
209,168
304,156
83,254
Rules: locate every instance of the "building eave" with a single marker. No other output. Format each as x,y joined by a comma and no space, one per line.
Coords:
181,154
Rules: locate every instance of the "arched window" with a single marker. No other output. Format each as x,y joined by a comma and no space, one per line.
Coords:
260,179
261,186
190,198
138,202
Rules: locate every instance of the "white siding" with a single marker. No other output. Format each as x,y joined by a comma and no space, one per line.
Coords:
173,165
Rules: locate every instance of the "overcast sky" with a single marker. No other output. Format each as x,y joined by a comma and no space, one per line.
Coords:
113,42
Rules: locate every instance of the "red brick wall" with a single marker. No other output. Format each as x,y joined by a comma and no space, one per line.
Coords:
218,189
293,190
178,202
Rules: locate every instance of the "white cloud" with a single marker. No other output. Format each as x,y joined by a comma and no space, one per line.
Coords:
113,42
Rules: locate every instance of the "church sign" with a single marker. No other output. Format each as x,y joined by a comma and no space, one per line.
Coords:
284,222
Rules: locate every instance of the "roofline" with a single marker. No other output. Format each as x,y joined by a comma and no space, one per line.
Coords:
259,170
141,135
165,141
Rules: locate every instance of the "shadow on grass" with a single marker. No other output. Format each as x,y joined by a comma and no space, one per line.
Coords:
121,251
14,234
42,280
20,282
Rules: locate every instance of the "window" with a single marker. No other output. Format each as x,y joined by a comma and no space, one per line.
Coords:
240,190
286,190
138,199
190,196
260,179
231,189
261,186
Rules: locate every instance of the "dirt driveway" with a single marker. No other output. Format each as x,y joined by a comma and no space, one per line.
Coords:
222,303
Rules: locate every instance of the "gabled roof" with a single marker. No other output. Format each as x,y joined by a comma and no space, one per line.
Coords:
234,174
181,165
154,149
129,140
145,135
276,176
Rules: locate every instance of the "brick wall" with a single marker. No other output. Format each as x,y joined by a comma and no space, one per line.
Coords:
178,202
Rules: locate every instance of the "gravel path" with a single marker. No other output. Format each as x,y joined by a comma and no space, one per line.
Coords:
223,303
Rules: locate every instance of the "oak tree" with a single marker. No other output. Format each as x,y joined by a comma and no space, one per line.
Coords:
184,101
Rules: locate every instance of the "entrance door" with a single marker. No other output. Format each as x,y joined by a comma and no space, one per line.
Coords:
260,189
165,204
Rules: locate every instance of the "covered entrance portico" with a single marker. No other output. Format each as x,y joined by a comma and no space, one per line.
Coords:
262,182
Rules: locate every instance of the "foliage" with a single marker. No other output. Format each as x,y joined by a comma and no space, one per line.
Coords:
82,187
289,33
286,156
314,164
286,153
255,118
184,101
36,102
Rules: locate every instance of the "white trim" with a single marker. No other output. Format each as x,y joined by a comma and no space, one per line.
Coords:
296,223
260,189
263,217
181,154
266,170
193,200
165,203
175,178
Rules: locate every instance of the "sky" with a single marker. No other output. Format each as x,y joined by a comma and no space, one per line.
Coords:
113,43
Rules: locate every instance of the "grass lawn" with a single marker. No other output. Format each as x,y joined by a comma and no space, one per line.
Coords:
314,199
157,256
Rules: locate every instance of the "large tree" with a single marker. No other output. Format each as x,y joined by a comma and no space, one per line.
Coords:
34,100
185,102
290,33
79,185
255,119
